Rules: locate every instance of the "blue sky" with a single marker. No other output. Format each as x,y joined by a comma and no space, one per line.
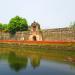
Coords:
48,13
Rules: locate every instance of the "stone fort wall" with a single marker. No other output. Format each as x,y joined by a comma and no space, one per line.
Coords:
59,34
47,34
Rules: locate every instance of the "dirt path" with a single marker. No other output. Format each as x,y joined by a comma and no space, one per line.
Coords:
36,42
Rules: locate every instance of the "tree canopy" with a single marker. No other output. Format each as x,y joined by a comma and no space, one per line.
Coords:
1,27
17,24
72,25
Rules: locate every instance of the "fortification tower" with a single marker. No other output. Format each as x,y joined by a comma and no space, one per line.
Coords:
35,32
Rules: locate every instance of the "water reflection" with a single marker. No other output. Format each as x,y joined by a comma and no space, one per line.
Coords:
16,62
35,61
46,62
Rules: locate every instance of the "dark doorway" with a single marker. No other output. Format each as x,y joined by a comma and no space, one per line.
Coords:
34,38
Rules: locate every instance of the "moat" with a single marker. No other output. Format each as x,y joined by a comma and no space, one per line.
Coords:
20,60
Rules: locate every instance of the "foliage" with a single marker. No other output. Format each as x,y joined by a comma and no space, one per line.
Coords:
72,25
17,24
1,26
5,27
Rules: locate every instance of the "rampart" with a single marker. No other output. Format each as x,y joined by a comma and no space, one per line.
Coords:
47,34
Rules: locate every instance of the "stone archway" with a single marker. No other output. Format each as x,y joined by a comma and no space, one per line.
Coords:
35,33
34,38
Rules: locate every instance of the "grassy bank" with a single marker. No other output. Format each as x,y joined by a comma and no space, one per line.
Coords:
67,49
47,47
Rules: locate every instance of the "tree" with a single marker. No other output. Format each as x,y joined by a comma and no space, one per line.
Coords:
72,25
17,24
1,26
5,27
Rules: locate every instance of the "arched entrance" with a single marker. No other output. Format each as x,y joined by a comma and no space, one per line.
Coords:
34,38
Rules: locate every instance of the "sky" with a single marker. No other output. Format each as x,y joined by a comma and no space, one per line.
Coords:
48,13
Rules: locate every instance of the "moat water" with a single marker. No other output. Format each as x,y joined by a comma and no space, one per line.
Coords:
22,62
